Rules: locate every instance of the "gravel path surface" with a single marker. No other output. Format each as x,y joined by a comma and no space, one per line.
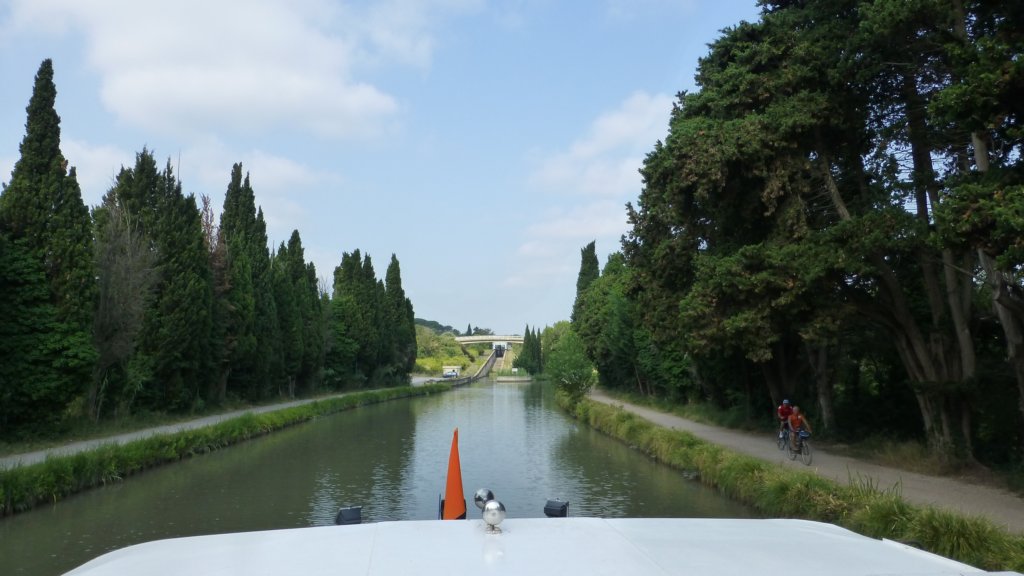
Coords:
1000,506
75,447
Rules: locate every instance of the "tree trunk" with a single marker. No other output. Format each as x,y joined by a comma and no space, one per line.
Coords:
817,357
1009,309
925,358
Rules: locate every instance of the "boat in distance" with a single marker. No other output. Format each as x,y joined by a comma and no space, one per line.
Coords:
536,547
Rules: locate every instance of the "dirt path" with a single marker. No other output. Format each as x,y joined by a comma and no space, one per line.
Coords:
75,447
1000,506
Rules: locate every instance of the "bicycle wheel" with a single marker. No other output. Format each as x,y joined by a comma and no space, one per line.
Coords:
805,453
783,440
792,452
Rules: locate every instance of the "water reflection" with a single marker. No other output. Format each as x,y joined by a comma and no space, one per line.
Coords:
389,458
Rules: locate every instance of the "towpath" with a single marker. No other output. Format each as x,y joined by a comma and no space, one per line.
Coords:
75,447
1000,506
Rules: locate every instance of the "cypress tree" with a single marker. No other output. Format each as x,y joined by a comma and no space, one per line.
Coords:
349,324
400,318
309,302
529,358
289,318
363,336
31,385
267,330
183,310
251,335
589,271
43,216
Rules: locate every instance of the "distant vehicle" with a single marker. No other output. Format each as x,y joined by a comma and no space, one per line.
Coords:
451,374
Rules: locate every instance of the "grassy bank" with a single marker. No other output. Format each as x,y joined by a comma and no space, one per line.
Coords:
24,487
909,455
786,493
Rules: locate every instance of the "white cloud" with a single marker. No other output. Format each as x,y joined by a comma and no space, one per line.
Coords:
604,162
96,166
282,186
583,222
199,66
601,168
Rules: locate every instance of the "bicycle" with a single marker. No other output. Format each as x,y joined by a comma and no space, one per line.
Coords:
783,439
803,448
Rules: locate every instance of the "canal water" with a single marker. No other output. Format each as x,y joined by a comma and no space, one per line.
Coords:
389,458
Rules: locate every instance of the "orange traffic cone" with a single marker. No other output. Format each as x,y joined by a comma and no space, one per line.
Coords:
454,507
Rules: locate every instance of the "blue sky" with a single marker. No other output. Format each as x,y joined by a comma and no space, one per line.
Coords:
483,143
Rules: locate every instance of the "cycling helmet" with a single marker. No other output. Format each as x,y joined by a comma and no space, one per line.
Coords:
785,401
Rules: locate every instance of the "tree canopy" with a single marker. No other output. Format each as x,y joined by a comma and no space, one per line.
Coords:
835,215
148,304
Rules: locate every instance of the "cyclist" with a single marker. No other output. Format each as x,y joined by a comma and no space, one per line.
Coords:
783,411
797,423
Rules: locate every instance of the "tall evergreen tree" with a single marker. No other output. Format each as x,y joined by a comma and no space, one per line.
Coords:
248,305
289,320
267,330
43,215
183,365
300,318
589,272
530,356
312,311
33,389
221,310
353,356
401,319
166,364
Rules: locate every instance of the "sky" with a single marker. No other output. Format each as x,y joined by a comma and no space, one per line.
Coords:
482,143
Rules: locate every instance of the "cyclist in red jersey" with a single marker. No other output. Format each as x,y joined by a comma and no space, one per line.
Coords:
784,410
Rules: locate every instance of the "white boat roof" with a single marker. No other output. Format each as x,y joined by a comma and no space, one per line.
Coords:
533,546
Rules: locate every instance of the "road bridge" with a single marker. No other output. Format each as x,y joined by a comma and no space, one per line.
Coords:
481,338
